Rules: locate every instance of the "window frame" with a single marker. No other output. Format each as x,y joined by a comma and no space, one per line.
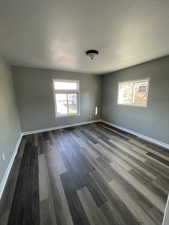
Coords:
132,104
66,91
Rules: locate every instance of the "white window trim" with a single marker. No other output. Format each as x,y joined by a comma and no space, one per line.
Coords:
68,92
135,105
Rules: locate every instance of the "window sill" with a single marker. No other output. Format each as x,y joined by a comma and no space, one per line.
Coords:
134,105
70,115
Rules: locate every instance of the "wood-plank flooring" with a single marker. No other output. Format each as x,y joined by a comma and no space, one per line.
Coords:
86,175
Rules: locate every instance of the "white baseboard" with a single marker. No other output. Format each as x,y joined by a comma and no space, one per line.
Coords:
7,172
60,127
149,139
166,214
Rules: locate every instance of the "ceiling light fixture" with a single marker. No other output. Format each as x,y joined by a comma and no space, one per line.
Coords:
92,53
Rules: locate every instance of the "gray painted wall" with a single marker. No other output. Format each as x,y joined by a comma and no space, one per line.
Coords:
152,121
9,122
35,99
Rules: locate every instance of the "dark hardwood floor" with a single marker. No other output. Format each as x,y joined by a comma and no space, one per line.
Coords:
88,175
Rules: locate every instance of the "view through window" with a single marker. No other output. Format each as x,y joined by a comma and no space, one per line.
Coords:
66,97
133,92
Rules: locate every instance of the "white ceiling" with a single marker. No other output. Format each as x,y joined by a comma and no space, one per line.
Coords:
56,33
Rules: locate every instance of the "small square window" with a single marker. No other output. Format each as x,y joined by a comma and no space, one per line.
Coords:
133,93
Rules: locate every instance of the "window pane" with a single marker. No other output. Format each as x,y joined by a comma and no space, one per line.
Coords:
125,95
63,85
72,103
133,92
140,92
61,103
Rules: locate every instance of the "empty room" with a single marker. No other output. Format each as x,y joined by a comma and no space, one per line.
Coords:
84,112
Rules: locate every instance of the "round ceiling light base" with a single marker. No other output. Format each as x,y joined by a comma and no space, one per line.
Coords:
92,53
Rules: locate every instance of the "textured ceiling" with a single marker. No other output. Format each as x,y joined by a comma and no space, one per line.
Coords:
56,33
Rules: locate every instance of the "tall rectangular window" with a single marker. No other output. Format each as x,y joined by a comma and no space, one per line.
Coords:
66,93
133,93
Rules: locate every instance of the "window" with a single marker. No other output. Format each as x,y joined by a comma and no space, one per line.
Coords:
66,94
133,93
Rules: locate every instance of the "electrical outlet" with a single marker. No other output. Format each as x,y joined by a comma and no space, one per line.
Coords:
3,156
